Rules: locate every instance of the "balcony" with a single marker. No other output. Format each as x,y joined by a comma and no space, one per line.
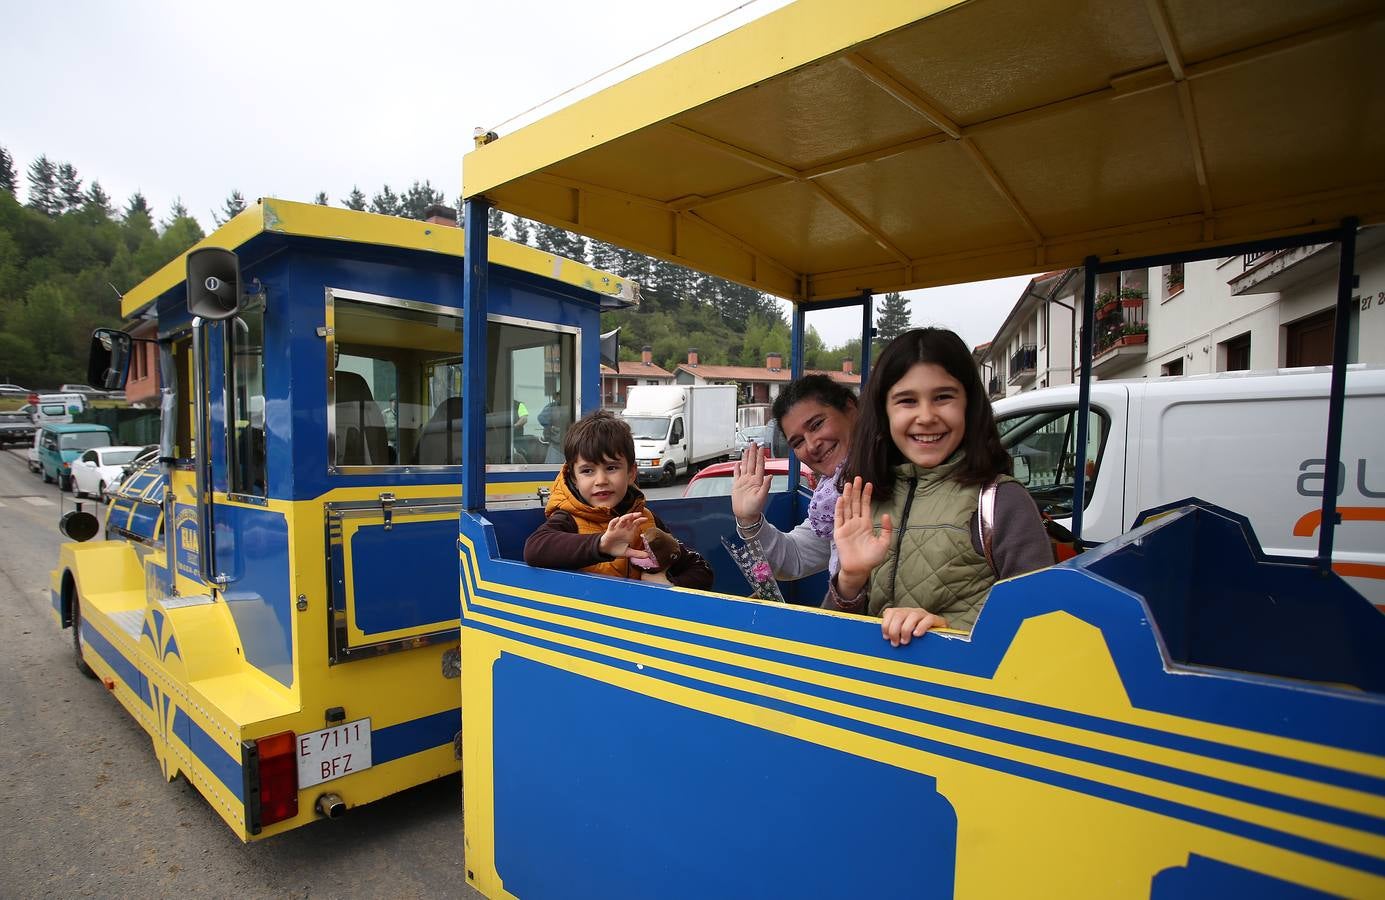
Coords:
995,389
1122,331
1022,364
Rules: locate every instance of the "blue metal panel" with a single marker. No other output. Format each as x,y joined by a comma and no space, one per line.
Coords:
474,329
414,736
427,551
254,550
564,825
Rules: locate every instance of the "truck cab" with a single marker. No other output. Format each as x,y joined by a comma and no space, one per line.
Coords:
677,427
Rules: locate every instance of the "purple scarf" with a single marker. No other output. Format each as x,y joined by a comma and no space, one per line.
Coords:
822,513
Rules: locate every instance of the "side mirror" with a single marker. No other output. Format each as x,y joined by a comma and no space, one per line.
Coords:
1021,469
108,360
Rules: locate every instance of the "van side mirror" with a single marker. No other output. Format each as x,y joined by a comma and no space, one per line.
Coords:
1021,470
108,361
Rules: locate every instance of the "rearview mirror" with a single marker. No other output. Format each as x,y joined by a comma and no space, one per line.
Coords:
1021,470
108,361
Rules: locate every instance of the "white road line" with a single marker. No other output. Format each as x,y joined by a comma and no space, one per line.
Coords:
2,504
37,501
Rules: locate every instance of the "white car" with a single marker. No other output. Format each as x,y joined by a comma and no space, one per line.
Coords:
101,468
32,453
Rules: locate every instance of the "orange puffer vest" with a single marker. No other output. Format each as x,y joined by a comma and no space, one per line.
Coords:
593,519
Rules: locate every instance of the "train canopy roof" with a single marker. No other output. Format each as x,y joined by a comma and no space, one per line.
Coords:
283,219
836,146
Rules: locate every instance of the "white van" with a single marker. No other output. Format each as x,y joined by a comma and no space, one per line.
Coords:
58,409
1252,442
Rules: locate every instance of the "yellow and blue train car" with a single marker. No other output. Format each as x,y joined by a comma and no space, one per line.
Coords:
276,597
1173,714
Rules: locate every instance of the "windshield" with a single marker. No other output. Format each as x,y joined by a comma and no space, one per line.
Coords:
648,428
118,457
84,440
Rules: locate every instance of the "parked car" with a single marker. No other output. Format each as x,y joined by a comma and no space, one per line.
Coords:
60,445
101,468
16,428
13,389
759,434
715,480
32,453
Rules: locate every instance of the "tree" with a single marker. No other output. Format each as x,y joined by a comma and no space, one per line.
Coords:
176,212
495,222
98,199
233,207
321,199
523,232
386,202
892,320
137,206
8,179
355,200
417,199
70,188
43,187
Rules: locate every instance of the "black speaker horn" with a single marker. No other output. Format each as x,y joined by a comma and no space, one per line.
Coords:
213,283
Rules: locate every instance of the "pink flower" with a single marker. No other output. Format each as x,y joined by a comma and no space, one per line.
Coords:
762,571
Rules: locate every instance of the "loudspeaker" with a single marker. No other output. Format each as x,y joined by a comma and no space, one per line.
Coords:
213,283
610,349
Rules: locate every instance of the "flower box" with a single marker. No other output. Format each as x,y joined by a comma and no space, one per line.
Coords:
1128,339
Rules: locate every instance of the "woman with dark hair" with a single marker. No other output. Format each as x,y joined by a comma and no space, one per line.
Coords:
915,546
816,415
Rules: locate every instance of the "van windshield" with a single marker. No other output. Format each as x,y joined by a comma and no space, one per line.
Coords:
648,428
84,440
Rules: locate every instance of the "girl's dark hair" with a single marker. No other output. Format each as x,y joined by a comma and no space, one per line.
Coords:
812,387
873,454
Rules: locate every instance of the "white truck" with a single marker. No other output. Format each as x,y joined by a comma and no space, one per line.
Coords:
1252,442
679,426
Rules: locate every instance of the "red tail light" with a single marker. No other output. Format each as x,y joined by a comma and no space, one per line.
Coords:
271,780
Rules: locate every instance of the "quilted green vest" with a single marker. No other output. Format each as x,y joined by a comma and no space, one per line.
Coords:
931,564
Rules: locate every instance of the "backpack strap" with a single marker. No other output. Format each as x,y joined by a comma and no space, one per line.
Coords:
985,518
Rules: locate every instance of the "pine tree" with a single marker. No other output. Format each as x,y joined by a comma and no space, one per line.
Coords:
386,202
892,320
43,187
137,206
321,199
355,200
523,232
98,199
70,188
416,200
546,237
176,212
495,222
233,206
9,181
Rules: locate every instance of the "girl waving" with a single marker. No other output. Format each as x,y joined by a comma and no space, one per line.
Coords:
924,459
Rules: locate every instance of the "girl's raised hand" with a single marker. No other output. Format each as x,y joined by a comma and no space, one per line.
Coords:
899,625
859,548
749,486
621,532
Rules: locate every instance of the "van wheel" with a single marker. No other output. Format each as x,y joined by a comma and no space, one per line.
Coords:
77,637
46,479
65,483
670,473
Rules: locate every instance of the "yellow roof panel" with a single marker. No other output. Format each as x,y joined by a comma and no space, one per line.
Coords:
310,220
832,147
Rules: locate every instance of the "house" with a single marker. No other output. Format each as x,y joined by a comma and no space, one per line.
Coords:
758,385
1256,311
615,386
142,380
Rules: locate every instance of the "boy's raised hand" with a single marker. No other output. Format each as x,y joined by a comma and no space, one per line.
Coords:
620,534
859,548
749,486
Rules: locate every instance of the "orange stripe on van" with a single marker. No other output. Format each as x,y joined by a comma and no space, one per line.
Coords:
1310,522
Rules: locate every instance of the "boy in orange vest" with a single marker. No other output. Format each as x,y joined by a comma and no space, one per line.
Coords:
597,520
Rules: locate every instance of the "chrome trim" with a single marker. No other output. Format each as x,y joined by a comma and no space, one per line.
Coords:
206,550
382,300
536,324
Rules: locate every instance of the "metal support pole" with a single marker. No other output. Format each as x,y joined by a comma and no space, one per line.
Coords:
474,389
867,334
796,343
1084,397
1346,286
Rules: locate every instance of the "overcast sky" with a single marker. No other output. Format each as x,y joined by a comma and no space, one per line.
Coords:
288,98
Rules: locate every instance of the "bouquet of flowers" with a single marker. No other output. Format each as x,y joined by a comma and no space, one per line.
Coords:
750,558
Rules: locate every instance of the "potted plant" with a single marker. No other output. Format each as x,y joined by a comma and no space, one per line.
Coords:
1134,333
1132,297
1105,303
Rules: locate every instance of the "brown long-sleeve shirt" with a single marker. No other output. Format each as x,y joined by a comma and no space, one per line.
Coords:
558,545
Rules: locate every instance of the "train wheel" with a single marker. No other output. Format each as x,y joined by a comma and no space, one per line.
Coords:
77,637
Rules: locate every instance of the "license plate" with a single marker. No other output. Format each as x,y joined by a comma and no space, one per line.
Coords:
333,752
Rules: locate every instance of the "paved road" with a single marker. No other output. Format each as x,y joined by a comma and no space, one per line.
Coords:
85,812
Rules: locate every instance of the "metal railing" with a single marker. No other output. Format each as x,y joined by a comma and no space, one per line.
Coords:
1024,360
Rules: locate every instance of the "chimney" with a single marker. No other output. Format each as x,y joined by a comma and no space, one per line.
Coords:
437,214
848,365
647,355
774,362
692,356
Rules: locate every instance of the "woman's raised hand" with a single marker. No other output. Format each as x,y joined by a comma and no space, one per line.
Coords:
859,548
620,534
749,486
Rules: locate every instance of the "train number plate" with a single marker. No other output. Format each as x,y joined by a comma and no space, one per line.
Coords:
333,752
